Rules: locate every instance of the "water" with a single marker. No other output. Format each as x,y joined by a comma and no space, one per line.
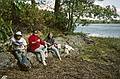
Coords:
100,30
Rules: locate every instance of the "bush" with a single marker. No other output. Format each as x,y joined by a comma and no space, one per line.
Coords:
5,29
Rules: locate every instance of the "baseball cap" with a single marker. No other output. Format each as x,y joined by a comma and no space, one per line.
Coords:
18,33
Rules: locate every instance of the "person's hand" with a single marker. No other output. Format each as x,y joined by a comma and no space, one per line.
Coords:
38,40
45,42
25,47
33,42
21,44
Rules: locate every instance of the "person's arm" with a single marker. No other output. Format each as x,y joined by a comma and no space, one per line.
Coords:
53,40
14,42
42,42
25,44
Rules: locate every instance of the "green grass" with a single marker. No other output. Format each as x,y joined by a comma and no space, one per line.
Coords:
105,51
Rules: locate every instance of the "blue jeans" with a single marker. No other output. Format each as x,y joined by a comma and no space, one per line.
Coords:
21,56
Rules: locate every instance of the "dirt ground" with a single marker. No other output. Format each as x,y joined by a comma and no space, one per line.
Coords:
71,67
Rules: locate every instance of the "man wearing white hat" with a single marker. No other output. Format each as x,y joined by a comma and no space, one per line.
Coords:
19,45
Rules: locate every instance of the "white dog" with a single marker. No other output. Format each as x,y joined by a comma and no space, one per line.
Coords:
68,49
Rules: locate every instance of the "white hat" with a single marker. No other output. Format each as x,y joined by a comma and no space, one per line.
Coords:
18,33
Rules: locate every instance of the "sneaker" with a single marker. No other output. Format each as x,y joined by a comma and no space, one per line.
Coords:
44,63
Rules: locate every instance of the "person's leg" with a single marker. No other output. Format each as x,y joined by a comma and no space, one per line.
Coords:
56,51
23,62
41,53
18,56
38,56
24,58
45,49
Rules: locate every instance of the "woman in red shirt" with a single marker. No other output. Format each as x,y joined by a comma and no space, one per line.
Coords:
37,45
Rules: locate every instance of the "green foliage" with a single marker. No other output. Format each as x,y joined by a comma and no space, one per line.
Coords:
18,15
5,20
6,9
29,17
5,29
56,22
49,18
61,21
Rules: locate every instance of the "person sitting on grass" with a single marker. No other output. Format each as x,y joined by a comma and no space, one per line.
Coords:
37,46
19,47
52,45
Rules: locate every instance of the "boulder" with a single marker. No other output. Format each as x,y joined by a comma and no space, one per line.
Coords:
6,60
32,58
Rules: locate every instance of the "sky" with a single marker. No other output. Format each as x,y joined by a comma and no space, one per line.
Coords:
116,3
46,4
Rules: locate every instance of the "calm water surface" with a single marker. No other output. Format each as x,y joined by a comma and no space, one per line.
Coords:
100,30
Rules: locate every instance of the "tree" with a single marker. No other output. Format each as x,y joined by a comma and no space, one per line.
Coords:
33,2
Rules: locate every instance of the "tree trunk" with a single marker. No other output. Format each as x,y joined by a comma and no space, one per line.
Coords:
33,2
57,6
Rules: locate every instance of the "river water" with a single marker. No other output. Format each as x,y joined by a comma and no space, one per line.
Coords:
100,30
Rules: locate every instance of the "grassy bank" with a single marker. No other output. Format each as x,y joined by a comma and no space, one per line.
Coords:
105,51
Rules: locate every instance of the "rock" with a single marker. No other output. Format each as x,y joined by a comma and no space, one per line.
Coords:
32,58
6,60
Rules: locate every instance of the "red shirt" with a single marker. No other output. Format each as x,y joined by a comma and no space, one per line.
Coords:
35,38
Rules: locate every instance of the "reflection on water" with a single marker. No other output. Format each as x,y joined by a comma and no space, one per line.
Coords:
100,30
